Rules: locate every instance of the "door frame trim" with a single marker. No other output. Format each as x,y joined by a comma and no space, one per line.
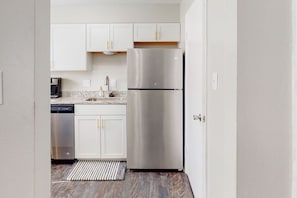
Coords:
204,99
294,97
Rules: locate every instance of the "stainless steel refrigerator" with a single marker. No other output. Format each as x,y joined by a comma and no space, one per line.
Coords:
155,109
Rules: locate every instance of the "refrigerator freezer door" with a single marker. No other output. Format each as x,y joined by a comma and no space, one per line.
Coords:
155,69
155,129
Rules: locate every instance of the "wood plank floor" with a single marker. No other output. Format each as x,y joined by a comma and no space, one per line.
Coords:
135,185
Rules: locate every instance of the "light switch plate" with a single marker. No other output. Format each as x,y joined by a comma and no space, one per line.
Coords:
214,81
1,88
113,85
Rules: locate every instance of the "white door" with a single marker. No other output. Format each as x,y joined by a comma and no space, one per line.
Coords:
97,37
121,37
195,99
87,137
113,137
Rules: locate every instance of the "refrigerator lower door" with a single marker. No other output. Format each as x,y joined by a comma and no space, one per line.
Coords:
155,129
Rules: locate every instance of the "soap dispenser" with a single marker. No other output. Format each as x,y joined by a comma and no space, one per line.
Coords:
100,92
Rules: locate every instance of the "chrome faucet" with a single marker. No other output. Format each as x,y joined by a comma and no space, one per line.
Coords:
106,92
107,82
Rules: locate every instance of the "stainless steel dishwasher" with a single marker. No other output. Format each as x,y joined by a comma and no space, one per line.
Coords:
62,132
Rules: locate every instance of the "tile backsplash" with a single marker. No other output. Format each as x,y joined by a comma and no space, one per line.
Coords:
114,66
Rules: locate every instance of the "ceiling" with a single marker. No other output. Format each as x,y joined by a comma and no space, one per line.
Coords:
69,2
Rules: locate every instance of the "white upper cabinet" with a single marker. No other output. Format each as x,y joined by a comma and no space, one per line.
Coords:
97,37
160,32
146,32
121,36
109,37
68,47
168,32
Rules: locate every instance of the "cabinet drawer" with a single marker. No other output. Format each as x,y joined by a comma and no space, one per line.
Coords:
100,109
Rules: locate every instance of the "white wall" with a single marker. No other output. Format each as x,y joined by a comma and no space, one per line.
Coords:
264,99
221,103
24,60
114,66
114,13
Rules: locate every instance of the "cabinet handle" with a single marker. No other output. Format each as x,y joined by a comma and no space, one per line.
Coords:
107,44
97,124
111,45
156,35
102,126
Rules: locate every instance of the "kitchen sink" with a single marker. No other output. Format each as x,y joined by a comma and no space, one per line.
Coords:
102,99
91,99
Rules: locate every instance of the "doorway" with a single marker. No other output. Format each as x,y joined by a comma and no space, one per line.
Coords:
195,53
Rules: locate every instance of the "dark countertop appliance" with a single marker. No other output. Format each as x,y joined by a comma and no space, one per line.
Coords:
56,87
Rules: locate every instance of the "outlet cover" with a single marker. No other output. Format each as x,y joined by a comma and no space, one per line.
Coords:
215,81
86,83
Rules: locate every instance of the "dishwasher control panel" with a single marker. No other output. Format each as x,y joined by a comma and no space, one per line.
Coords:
62,108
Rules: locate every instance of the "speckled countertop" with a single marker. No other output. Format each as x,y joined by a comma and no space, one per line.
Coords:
81,98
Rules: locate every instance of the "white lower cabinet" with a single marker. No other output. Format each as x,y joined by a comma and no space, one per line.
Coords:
87,137
113,137
100,132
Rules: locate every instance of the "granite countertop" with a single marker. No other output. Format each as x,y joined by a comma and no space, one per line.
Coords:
81,98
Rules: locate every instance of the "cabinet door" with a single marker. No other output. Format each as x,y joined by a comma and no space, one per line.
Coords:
168,32
146,32
121,37
113,137
98,37
68,47
87,137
